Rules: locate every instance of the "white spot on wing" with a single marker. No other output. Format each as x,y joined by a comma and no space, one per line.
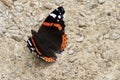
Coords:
59,16
53,15
57,20
32,49
29,42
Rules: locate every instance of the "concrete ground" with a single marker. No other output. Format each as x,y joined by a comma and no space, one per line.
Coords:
93,49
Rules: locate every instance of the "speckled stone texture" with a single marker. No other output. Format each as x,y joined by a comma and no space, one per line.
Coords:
93,49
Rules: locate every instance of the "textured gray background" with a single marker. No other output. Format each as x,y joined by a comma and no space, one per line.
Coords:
93,50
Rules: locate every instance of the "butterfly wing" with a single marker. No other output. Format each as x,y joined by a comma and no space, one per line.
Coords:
54,28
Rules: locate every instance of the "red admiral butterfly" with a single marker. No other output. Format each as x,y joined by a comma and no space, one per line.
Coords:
50,38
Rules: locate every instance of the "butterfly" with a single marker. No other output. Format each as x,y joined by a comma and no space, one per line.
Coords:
50,38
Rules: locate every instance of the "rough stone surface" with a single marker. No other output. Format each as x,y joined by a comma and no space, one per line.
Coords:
96,56
18,8
80,39
101,1
48,5
114,36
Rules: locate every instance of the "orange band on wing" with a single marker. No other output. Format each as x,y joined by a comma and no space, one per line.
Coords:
35,46
58,26
53,24
64,41
49,59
